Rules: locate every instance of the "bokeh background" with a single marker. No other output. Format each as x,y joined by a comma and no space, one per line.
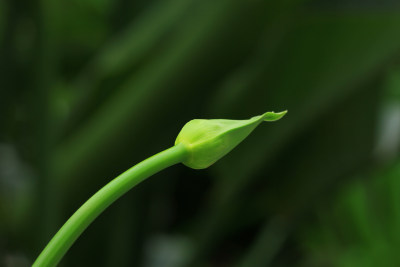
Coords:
89,88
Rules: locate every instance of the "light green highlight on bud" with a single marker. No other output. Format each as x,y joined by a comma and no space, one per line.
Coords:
209,140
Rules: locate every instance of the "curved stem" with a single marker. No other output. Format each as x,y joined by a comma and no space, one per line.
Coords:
92,208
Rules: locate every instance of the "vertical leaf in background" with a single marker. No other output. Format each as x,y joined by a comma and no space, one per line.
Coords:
3,19
44,64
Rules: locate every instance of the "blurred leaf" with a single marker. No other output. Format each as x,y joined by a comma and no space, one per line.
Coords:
91,87
127,49
315,167
319,78
3,19
369,209
144,92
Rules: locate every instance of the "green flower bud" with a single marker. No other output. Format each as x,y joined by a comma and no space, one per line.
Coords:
209,140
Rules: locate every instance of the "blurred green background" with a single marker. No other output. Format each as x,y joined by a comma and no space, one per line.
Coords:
89,88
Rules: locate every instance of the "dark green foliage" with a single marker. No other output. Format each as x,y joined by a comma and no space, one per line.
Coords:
89,88
360,226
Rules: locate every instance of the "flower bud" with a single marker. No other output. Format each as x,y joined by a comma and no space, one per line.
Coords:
209,140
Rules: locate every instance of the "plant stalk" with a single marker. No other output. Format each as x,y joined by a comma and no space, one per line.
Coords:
93,207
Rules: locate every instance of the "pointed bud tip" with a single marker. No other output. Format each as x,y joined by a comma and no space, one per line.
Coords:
272,116
207,141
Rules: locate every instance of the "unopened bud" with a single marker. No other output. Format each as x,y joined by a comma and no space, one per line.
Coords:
209,140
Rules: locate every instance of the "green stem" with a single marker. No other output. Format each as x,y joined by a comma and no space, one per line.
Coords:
92,208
